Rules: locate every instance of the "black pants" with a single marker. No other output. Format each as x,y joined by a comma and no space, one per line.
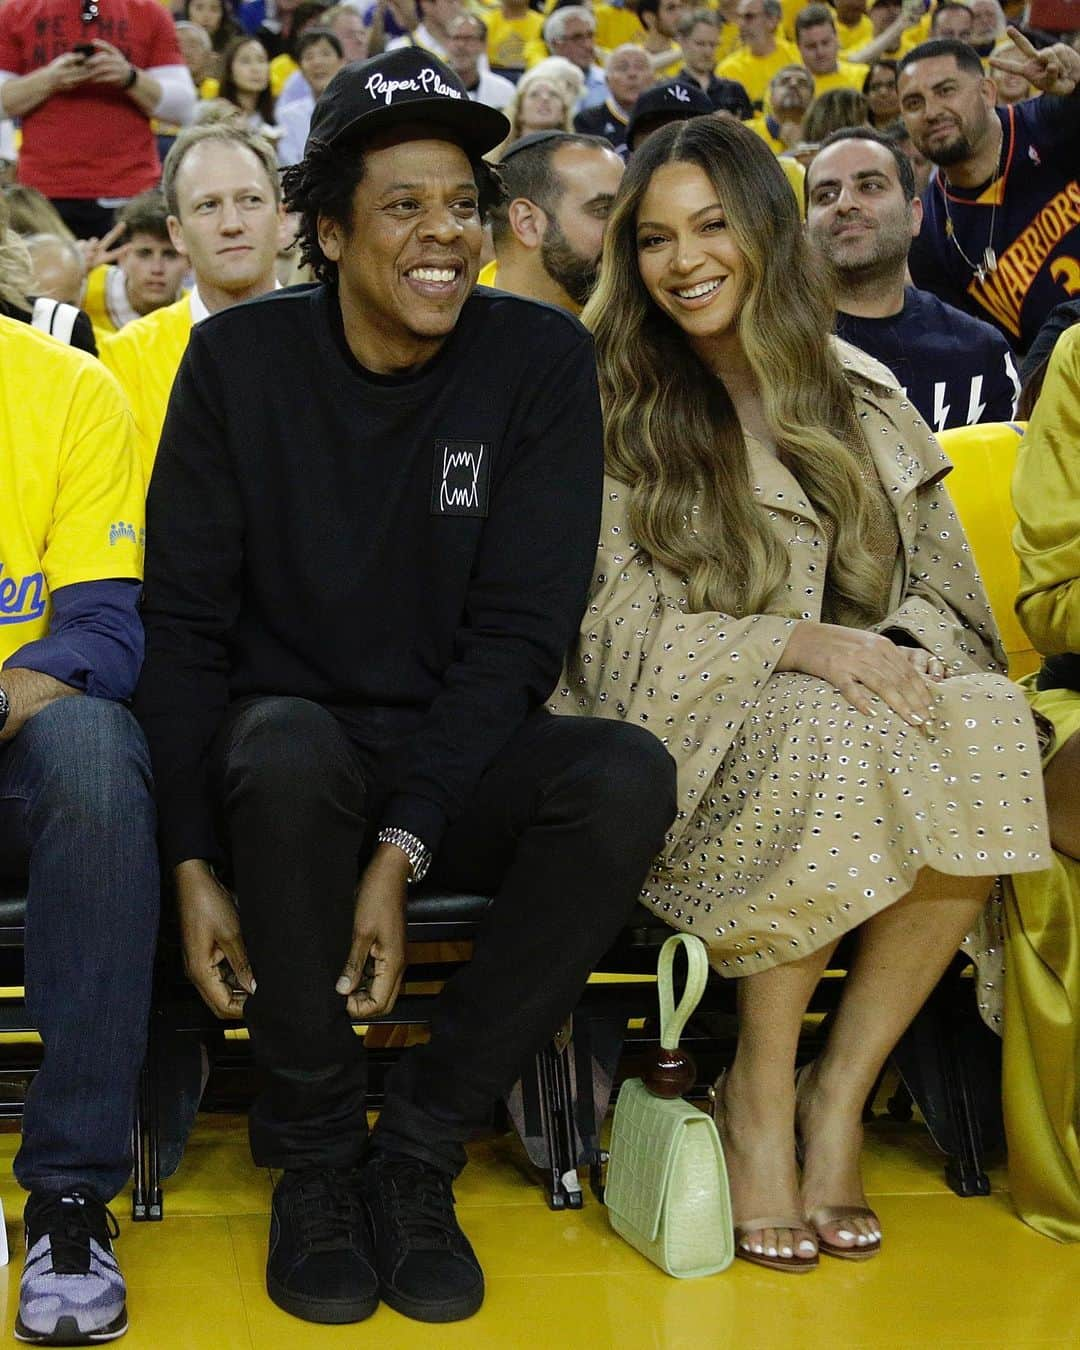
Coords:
85,217
561,831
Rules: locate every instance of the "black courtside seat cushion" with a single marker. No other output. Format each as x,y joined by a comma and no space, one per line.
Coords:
12,907
445,907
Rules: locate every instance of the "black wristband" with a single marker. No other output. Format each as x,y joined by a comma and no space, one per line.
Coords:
129,83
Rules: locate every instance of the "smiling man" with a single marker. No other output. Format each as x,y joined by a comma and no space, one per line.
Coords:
861,215
225,218
1001,217
371,530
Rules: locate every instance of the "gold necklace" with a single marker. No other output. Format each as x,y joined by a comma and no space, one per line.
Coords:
989,258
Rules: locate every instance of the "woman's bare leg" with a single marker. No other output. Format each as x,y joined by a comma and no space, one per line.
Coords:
902,953
758,1101
1063,799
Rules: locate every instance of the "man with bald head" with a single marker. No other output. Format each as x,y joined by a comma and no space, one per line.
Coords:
59,271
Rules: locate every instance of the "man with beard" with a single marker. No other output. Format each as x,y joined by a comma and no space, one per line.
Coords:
791,91
861,215
1001,217
549,230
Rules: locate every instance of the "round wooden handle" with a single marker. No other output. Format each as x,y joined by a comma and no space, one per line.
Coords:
669,1073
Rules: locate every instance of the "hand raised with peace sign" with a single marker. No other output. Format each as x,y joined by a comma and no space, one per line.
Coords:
1054,70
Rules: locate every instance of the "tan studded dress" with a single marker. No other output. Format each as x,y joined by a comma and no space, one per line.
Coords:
799,817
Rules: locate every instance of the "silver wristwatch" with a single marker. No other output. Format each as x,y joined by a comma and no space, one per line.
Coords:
417,852
5,708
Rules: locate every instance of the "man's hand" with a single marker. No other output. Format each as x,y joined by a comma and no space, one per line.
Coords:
210,930
108,65
97,251
29,692
67,71
378,936
1054,70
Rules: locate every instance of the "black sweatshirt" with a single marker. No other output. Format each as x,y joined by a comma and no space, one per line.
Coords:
416,548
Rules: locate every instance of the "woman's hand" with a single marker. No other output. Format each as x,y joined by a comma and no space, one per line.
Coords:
860,665
933,667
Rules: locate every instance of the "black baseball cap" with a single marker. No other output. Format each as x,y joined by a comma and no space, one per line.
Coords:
404,85
670,102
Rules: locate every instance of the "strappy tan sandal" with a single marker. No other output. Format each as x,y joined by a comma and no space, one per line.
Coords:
834,1214
798,1263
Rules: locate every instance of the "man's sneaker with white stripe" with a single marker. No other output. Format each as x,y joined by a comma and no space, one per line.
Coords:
72,1292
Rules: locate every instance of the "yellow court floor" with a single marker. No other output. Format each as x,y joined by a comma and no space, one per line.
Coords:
954,1272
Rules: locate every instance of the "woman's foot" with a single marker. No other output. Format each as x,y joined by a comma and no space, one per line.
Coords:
759,1149
831,1132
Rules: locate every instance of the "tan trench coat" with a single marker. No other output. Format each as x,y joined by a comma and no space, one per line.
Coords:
742,735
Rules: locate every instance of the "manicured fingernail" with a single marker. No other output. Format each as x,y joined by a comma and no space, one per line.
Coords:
254,986
756,1248
917,719
342,986
770,1251
844,1235
862,1240
806,1246
785,1251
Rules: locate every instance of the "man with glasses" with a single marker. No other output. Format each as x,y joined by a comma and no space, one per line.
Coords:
762,53
571,33
85,82
466,43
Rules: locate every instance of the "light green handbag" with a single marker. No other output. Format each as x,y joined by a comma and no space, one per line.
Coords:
667,1189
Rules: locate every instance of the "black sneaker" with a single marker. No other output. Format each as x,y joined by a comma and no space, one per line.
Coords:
71,1291
427,1269
319,1266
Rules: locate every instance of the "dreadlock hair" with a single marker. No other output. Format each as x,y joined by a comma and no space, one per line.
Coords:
324,181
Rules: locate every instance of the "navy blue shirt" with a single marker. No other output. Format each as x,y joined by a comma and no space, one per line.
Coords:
955,369
1035,232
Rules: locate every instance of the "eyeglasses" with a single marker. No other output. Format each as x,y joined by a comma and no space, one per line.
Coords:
89,11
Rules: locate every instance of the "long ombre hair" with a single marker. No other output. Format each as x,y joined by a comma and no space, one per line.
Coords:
671,430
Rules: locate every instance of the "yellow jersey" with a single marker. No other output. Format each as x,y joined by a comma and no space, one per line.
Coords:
145,356
488,273
508,38
281,67
856,35
94,304
847,75
615,25
755,72
760,127
71,488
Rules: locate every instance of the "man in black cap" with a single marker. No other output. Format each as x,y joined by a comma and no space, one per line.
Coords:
664,103
371,528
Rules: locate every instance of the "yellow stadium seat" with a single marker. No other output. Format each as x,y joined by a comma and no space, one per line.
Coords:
983,457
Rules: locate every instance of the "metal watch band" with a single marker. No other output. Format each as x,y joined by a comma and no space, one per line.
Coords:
417,852
5,708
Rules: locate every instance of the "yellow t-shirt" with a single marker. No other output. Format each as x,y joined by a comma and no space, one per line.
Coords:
614,26
760,127
71,488
856,35
145,356
755,72
729,41
281,67
488,273
94,302
508,38
847,75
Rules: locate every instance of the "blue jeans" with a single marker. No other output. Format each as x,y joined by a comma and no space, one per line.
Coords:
77,817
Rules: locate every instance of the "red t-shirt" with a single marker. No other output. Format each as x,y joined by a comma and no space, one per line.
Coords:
91,141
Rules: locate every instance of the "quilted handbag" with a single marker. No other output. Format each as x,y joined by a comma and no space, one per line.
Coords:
667,1189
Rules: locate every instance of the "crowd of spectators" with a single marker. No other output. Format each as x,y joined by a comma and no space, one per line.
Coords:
896,257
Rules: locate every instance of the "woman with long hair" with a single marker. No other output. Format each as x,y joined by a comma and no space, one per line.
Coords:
541,102
784,596
882,97
245,81
216,19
